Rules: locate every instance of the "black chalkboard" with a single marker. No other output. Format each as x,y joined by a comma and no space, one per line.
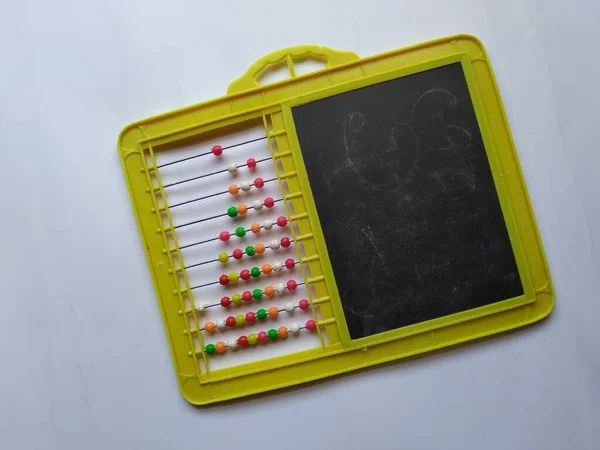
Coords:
406,200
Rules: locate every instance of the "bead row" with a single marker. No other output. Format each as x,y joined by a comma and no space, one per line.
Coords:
257,249
245,186
255,272
255,228
242,209
262,337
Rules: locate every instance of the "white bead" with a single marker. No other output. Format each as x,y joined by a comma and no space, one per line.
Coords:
232,344
221,324
257,205
200,308
267,224
232,168
289,307
274,244
295,329
245,186
280,288
277,266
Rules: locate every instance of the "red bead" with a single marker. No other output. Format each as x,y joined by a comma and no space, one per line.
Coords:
259,183
230,321
262,337
269,202
250,317
246,296
290,263
225,302
282,221
224,236
311,325
243,341
251,164
291,285
285,242
303,304
217,150
237,253
224,279
245,274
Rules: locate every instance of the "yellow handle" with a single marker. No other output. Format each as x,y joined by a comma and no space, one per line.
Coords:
288,55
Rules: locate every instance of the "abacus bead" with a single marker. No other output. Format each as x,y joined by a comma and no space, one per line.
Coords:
250,317
285,242
251,164
257,204
224,279
282,332
273,312
243,341
262,337
272,333
270,291
289,307
291,285
232,344
277,266
225,302
221,324
242,209
261,314
233,189
232,168
255,272
259,183
246,296
267,224
233,277
200,308
255,227
236,299
274,244
230,321
217,150
232,211
245,186
311,325
280,288
269,202
266,269
252,339
240,232
211,349
209,327
259,249
240,321
303,304
290,263
282,221
221,347
237,253
250,251
224,236
223,257
295,329
245,274
257,294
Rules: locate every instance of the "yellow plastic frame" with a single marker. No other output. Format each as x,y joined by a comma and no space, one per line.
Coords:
247,101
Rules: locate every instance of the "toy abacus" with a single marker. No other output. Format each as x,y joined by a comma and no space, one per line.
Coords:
362,213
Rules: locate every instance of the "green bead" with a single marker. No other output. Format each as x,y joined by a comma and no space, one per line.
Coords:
250,251
257,294
272,333
261,314
232,211
236,299
211,349
255,272
240,232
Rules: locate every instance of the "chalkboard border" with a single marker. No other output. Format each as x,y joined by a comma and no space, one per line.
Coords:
506,198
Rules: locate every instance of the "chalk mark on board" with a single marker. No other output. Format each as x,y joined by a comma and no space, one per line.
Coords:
369,235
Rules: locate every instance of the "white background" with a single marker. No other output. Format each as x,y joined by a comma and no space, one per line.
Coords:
84,359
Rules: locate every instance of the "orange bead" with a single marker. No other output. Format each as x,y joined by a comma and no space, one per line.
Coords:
255,227
269,290
282,332
273,311
222,348
234,189
259,249
267,269
210,327
242,209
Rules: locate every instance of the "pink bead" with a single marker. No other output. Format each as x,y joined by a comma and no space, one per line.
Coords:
251,164
311,325
250,317
259,183
224,236
269,202
245,274
285,242
247,296
262,337
290,263
303,304
217,150
291,285
237,253
282,221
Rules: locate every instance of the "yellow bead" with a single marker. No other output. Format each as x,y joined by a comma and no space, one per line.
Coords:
223,257
239,320
252,339
233,277
236,299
